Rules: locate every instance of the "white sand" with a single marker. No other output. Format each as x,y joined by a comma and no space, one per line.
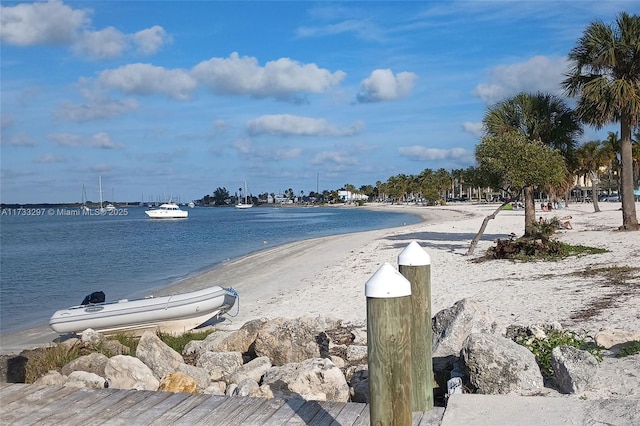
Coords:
326,276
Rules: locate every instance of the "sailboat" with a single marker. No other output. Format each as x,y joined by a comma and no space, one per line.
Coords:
246,204
84,207
102,209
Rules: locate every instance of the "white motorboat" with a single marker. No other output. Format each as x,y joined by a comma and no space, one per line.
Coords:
177,313
167,211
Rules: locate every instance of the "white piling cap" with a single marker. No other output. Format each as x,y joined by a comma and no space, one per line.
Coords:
387,283
414,255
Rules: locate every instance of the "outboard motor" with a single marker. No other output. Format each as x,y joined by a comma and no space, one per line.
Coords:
95,297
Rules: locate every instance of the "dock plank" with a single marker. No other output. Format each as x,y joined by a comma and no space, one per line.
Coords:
143,411
194,416
170,417
265,413
305,413
233,411
285,412
55,414
350,413
41,397
100,407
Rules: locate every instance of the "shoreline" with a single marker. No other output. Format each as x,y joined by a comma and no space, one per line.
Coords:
325,276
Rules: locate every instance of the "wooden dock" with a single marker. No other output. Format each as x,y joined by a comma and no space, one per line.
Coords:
22,404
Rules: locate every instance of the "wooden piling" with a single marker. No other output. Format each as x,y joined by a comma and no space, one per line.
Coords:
415,265
388,343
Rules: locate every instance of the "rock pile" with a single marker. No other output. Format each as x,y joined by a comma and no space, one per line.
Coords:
326,359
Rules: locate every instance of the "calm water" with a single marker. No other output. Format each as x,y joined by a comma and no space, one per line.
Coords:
52,262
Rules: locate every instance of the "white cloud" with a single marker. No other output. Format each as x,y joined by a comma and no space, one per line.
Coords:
108,43
283,78
50,158
539,73
20,139
242,145
361,29
418,152
29,24
100,140
338,157
6,121
103,141
285,124
97,105
54,23
382,85
476,129
146,79
149,41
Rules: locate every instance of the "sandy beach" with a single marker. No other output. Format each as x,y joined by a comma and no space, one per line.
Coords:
326,276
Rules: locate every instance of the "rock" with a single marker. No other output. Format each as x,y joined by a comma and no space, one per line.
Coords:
451,326
241,340
157,355
312,379
616,339
199,374
127,372
219,364
215,388
574,369
115,348
357,354
286,341
52,378
92,363
178,383
263,391
84,379
246,386
254,369
359,384
497,365
91,337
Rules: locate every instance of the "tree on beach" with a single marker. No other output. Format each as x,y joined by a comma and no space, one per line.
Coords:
540,118
591,156
512,162
605,77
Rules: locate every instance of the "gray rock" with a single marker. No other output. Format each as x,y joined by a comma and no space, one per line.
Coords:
497,365
451,326
52,378
127,372
84,379
313,379
286,341
219,364
157,355
574,369
253,369
92,363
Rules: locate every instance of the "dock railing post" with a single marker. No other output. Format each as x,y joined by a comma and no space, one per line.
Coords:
415,265
389,347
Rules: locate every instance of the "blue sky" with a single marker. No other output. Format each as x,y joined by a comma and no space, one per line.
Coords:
176,98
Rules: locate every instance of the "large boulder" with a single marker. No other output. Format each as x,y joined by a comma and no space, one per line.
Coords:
451,326
219,364
228,341
574,369
313,379
92,363
253,369
127,372
497,365
84,379
178,383
157,355
285,341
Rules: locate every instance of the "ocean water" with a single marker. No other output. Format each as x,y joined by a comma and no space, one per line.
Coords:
50,261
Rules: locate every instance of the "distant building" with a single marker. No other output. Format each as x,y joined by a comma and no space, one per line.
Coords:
347,196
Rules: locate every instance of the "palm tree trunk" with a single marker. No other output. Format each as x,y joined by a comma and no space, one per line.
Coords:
594,196
629,218
529,212
486,220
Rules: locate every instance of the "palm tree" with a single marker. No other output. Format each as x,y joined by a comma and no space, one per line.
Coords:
591,156
538,117
605,77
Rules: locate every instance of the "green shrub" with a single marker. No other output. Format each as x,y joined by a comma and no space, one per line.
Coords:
630,349
177,343
542,347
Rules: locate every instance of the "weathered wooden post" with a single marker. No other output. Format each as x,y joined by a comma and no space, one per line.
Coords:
415,265
389,346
